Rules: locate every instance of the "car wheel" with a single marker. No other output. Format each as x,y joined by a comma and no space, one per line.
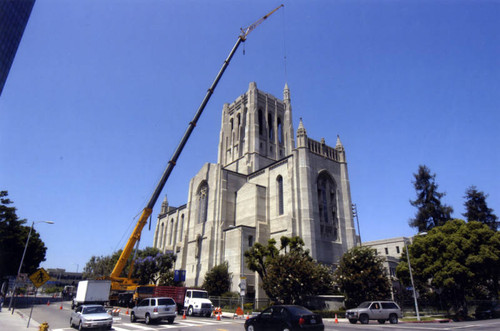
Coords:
132,318
190,311
170,321
70,322
80,327
393,319
353,321
250,328
381,321
148,319
363,319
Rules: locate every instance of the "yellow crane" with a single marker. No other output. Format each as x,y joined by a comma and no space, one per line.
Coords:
119,283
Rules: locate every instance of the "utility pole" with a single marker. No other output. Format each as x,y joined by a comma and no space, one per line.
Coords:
355,214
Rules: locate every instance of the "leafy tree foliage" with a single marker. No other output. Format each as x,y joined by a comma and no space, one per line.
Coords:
218,280
13,236
361,276
289,274
100,266
477,209
150,266
458,260
430,212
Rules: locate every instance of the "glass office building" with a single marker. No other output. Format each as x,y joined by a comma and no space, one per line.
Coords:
14,15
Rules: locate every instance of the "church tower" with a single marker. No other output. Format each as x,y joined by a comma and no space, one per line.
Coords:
256,131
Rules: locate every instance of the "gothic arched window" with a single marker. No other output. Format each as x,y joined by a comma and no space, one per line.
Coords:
199,241
270,123
327,206
279,182
162,232
261,122
280,131
202,197
171,234
182,228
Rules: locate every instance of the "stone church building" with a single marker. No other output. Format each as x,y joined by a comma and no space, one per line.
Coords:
266,184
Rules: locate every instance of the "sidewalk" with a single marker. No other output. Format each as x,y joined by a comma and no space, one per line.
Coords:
16,322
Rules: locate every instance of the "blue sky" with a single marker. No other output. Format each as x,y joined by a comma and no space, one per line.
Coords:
101,92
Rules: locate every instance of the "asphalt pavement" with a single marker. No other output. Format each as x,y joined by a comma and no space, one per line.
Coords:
18,320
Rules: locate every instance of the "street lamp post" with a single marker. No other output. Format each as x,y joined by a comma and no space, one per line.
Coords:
355,214
412,283
22,260
411,276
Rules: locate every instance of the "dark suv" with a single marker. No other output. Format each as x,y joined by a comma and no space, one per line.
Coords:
375,310
154,309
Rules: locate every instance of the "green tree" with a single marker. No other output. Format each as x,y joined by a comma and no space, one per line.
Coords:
476,208
458,260
289,274
151,268
13,236
361,276
430,212
100,266
218,280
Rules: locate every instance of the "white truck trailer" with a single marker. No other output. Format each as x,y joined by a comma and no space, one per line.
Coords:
92,292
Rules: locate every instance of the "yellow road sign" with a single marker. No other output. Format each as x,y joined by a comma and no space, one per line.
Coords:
39,277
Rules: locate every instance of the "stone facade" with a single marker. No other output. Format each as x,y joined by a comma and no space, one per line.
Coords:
263,186
391,251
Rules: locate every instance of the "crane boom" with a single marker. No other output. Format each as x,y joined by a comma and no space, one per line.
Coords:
122,282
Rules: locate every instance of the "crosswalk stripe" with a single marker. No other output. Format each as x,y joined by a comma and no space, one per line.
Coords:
119,329
200,322
138,326
177,324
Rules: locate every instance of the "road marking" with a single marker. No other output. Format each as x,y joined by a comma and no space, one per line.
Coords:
177,324
119,329
138,326
200,322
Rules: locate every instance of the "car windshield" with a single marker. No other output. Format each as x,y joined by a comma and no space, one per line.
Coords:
365,304
199,294
93,310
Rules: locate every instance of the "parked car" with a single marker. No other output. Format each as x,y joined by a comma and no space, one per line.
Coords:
375,310
154,310
90,316
285,318
488,310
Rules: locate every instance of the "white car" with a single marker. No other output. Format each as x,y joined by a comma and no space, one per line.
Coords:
90,316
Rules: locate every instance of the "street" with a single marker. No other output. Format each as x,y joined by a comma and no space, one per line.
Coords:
58,320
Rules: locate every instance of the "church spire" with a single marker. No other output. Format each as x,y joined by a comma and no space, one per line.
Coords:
164,206
340,149
301,135
339,145
288,123
286,93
